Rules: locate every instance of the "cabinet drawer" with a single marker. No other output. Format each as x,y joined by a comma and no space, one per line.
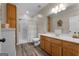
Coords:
71,45
56,42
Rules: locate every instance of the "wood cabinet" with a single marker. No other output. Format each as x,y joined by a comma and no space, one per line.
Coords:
58,47
70,49
11,15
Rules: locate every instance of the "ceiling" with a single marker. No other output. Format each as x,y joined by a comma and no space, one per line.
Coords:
33,8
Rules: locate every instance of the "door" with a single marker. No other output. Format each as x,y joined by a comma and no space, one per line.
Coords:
7,35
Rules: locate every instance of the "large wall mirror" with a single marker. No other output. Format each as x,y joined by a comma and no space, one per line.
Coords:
74,24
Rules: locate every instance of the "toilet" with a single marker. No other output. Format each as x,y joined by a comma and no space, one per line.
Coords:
36,41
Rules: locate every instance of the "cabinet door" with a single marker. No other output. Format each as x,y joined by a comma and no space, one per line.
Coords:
11,15
70,49
48,46
69,52
56,50
42,42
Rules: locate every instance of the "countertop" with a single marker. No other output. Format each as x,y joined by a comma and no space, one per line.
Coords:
65,37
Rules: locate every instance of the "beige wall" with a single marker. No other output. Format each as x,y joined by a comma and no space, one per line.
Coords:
71,11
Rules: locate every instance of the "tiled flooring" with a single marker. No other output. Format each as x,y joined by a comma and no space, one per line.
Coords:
29,50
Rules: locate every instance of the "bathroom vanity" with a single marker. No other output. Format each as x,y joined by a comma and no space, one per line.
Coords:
59,45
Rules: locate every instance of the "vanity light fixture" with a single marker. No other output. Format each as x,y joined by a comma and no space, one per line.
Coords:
58,8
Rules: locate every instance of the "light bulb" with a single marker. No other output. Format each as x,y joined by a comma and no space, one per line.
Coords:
58,8
62,7
54,10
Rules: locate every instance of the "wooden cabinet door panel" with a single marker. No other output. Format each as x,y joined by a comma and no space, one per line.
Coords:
42,44
48,46
11,15
42,38
69,52
71,45
56,50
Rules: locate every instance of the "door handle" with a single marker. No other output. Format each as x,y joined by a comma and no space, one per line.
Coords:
2,40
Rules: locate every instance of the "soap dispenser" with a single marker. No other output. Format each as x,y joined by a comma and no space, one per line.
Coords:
74,35
78,34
